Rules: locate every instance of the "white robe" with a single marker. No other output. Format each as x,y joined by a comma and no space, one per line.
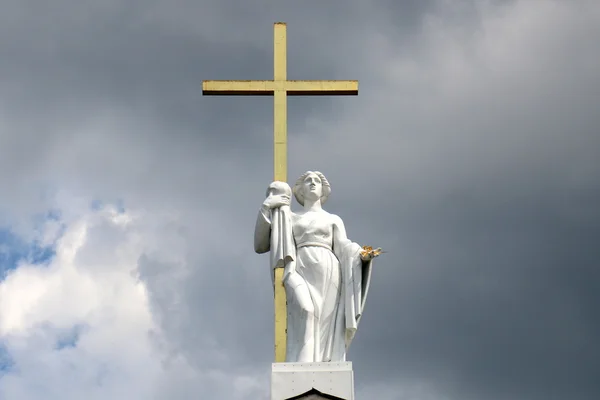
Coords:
325,279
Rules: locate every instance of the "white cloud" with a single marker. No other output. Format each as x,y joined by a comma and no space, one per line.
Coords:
119,340
38,304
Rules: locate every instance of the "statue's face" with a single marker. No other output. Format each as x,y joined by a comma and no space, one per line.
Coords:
313,187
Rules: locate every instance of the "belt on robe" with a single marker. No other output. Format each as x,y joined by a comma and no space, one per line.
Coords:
317,244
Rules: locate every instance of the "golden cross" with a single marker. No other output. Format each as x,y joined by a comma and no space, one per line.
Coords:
279,88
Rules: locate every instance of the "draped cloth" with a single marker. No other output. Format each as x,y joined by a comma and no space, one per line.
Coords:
283,248
326,287
356,275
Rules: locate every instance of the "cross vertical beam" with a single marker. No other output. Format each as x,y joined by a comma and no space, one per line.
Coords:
280,171
280,88
280,103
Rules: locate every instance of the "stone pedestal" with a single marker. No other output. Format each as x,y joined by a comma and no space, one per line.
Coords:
325,380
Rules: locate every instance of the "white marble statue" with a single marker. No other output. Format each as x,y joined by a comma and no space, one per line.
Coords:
326,276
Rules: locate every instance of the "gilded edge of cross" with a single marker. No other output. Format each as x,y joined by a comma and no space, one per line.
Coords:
279,88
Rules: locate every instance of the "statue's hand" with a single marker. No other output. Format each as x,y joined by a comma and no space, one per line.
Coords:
276,201
368,253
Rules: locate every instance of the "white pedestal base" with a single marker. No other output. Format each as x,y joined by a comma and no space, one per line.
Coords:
289,380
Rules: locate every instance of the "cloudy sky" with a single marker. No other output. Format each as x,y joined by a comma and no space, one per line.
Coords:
126,219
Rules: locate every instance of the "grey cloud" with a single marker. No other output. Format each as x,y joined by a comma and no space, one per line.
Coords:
475,168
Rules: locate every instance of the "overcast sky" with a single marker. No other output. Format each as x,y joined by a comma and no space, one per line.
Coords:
471,154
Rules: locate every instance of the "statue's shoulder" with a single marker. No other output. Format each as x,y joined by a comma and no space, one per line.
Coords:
296,216
336,220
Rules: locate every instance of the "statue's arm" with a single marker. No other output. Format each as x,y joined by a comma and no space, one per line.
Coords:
262,230
340,239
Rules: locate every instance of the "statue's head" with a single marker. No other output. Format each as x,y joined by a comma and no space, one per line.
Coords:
312,185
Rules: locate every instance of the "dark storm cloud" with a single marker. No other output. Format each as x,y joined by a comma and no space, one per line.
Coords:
474,164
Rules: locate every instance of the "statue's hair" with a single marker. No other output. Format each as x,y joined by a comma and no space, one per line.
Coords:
299,188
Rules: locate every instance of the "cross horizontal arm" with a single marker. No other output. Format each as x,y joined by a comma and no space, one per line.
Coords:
293,88
238,88
321,88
